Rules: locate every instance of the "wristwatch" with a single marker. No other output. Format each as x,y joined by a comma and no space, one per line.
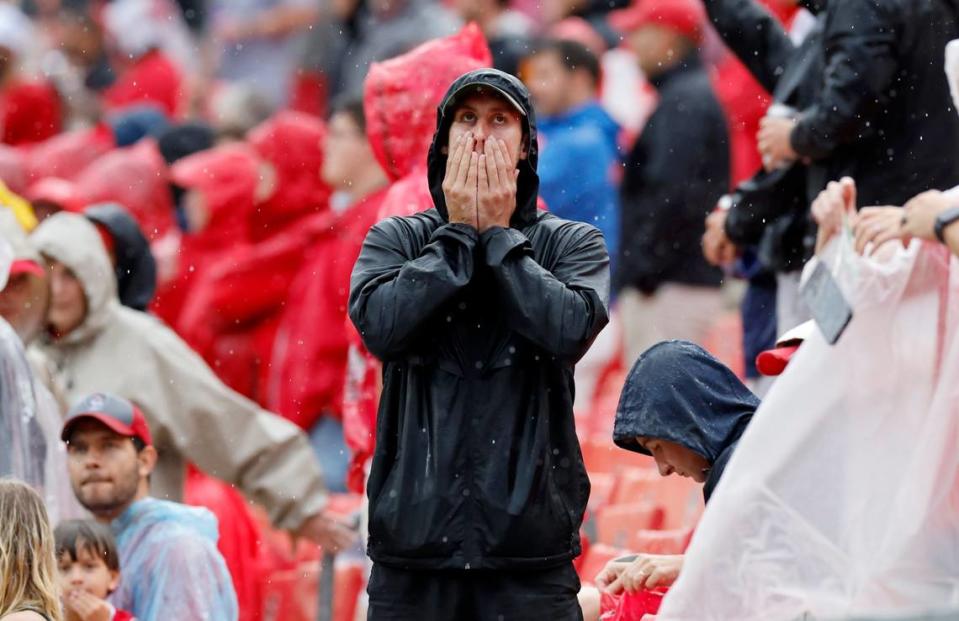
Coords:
944,219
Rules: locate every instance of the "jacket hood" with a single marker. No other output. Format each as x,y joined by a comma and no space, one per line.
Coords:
528,184
292,142
67,155
152,512
135,177
227,177
74,241
136,270
678,392
400,96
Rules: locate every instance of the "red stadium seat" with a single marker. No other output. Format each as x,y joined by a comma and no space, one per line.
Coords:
616,525
596,559
661,541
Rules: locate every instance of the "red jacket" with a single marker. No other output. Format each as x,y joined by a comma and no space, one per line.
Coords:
152,78
30,112
310,352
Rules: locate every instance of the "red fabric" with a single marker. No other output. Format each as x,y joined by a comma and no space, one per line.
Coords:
773,362
123,615
401,96
57,191
360,403
137,178
239,541
13,170
292,143
152,78
30,112
744,102
232,315
310,354
630,606
66,155
687,17
227,178
310,93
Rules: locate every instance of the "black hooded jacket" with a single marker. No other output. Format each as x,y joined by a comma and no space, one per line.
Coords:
677,170
135,267
678,392
477,464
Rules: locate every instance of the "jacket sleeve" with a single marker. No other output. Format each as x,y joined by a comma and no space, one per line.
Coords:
229,437
860,43
754,35
562,309
394,291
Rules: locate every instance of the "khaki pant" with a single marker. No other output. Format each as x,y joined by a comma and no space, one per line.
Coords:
674,312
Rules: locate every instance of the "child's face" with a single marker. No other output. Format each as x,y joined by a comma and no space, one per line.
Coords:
88,573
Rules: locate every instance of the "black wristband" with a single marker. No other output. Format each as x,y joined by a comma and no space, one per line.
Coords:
943,220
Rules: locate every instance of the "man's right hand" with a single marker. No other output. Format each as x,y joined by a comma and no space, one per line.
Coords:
328,532
460,182
717,247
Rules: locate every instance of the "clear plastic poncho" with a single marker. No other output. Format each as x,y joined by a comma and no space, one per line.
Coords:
169,565
30,447
842,497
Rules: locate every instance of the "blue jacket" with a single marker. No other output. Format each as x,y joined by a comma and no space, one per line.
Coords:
578,158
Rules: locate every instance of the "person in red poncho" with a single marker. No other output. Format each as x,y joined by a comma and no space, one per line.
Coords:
221,187
232,316
310,353
30,110
145,74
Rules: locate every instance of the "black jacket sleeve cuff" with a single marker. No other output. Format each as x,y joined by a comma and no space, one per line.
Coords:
498,242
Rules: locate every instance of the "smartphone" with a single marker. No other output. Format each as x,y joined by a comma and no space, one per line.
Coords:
824,299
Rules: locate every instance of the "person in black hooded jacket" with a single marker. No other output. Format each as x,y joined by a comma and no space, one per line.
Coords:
479,309
133,261
687,410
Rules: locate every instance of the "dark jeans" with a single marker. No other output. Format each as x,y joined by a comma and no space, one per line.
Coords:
477,595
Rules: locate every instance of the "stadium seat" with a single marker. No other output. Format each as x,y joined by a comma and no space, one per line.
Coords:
661,541
616,525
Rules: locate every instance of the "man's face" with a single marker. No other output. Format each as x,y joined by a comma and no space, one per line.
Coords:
674,458
548,81
347,153
105,468
656,48
485,114
68,302
24,303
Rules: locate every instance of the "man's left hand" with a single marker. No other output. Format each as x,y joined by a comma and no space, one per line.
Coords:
919,214
496,192
717,247
774,142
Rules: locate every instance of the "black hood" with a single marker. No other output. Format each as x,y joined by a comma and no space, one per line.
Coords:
814,6
136,269
528,183
678,392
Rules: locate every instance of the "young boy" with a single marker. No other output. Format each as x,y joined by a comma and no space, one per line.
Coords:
89,571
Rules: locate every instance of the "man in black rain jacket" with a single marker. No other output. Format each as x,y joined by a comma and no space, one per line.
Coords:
479,309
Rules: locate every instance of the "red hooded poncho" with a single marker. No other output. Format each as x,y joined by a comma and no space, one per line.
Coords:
66,155
292,143
232,316
227,178
137,178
